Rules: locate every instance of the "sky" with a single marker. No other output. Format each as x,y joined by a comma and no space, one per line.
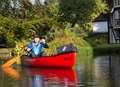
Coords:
41,1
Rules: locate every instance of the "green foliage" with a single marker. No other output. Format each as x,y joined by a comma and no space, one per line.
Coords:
4,6
19,48
52,8
12,30
21,9
7,27
82,12
59,21
65,37
106,49
97,39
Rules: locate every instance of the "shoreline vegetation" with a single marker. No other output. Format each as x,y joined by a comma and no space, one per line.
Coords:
94,44
56,21
96,50
86,51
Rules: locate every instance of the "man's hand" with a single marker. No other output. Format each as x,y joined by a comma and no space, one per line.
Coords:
43,41
28,49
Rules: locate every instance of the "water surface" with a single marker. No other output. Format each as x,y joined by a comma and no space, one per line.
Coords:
99,71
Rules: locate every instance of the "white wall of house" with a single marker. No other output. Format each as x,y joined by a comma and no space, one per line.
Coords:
100,27
112,38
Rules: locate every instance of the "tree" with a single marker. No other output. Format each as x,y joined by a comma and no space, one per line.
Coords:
76,11
4,7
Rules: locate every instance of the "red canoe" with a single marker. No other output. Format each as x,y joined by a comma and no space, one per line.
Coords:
66,60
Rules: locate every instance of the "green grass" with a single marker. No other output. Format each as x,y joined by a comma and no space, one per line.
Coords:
96,39
4,52
107,49
99,43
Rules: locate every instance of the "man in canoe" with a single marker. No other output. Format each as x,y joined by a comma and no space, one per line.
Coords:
35,48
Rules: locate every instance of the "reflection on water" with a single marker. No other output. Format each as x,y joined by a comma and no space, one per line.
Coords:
35,77
11,72
51,77
102,71
107,71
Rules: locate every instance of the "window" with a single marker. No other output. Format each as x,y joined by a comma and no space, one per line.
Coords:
116,14
116,2
116,18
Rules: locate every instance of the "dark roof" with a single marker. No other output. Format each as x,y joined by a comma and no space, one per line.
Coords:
101,17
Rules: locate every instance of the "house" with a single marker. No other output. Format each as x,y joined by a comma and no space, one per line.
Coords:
109,22
100,24
114,21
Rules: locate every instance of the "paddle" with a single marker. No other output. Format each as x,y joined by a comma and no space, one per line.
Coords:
11,61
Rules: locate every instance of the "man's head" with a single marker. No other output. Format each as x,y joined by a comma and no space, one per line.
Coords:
36,38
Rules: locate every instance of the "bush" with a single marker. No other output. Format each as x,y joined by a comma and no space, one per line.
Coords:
63,37
106,49
7,28
12,30
97,39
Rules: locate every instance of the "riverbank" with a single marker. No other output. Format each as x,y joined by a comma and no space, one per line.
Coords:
96,50
94,44
100,46
4,53
106,49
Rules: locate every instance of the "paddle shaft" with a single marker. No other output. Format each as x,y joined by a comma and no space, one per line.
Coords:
11,61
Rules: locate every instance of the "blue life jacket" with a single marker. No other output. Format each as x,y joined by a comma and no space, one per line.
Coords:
36,49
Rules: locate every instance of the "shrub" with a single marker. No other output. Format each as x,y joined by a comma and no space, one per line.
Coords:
63,37
7,27
12,30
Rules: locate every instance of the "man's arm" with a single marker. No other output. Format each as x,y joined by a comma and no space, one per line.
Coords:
29,47
44,43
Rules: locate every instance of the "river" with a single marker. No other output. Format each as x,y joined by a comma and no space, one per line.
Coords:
97,71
